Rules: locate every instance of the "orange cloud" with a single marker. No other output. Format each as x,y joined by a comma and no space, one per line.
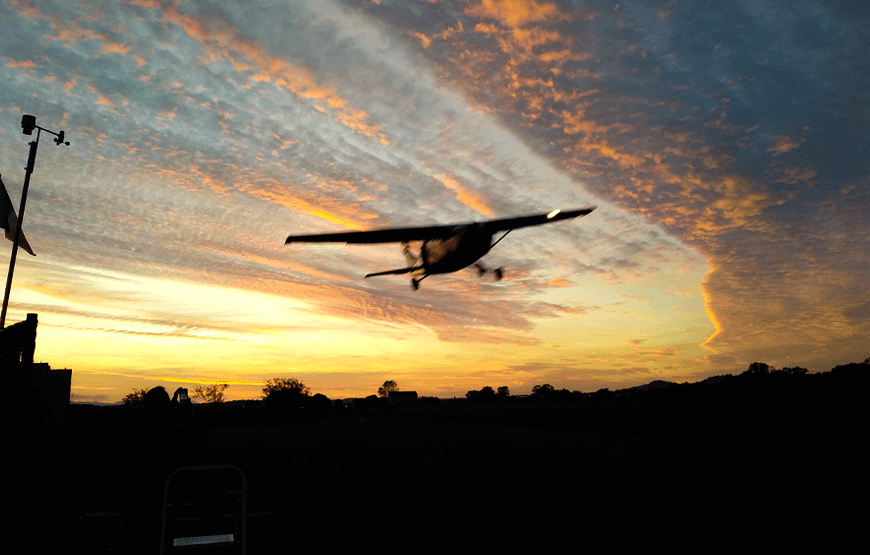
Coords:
26,8
71,32
529,38
20,64
426,41
655,352
443,35
516,13
281,263
793,175
114,48
148,4
464,196
633,299
783,144
563,55
327,209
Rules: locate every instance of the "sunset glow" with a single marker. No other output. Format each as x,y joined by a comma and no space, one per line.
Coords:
727,156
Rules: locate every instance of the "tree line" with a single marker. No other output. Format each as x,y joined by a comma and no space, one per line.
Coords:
759,377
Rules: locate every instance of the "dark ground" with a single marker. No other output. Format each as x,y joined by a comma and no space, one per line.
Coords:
696,475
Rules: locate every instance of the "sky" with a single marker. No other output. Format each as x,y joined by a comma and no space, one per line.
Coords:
725,145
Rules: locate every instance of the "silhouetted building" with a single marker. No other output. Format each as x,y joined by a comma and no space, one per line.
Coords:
17,343
39,402
48,399
402,398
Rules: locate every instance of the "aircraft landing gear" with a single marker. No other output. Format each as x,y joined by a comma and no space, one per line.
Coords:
415,283
482,270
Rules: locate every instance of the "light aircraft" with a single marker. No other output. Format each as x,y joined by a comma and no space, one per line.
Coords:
445,248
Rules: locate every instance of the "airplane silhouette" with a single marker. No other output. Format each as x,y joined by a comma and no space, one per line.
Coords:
445,248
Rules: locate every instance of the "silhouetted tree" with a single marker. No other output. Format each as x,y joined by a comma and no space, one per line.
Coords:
564,394
851,370
211,393
288,384
134,399
602,394
503,391
285,393
388,387
319,401
757,368
795,370
545,390
485,395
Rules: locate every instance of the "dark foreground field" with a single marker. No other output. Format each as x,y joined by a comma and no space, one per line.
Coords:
666,474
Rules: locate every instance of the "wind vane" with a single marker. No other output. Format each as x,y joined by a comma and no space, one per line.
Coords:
28,124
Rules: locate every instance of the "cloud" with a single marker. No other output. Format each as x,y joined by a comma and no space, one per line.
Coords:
516,13
710,138
781,144
859,311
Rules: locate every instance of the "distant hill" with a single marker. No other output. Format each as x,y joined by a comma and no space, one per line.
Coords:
653,385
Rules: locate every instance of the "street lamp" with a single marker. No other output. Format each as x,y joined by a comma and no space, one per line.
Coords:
28,124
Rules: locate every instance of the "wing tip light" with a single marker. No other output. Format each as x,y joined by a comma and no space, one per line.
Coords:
570,214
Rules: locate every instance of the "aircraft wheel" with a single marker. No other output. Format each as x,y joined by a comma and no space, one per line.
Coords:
498,274
415,284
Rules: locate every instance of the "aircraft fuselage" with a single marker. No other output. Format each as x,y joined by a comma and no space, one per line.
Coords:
467,246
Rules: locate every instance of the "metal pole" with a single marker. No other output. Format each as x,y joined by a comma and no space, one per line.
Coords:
31,162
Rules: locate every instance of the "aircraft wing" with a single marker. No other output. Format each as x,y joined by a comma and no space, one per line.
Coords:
507,224
403,234
390,235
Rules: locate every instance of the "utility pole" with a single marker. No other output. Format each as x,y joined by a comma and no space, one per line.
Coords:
28,124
